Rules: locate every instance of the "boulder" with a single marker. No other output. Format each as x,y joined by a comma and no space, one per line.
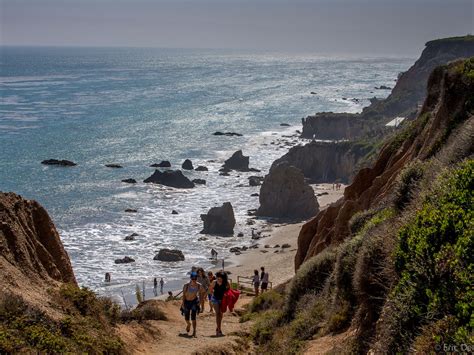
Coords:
285,246
125,260
130,181
228,134
219,220
169,255
174,212
237,162
285,124
172,178
255,194
187,165
163,164
131,210
116,166
201,168
131,237
286,194
255,180
58,162
199,181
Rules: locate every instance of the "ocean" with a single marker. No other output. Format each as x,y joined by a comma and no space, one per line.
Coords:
138,106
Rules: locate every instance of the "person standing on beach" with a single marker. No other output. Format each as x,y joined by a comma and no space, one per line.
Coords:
256,282
155,287
204,281
192,293
211,278
162,283
264,279
218,287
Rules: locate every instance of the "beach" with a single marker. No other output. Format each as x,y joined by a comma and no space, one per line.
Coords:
278,261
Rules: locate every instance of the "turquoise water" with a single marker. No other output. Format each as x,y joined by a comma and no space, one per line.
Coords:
136,107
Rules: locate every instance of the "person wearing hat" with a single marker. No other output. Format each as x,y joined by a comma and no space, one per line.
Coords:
193,291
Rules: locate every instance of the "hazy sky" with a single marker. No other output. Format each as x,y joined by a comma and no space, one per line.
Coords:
372,27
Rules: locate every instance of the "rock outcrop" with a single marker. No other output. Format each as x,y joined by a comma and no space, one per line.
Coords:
326,162
404,100
169,255
237,162
58,162
32,256
219,220
162,164
129,181
125,260
187,165
285,194
172,178
116,166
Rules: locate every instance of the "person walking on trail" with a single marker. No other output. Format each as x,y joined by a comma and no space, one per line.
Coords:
264,279
217,289
162,283
192,292
211,278
204,281
256,282
155,287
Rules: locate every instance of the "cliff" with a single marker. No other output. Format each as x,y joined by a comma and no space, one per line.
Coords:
41,307
404,100
388,268
326,162
31,253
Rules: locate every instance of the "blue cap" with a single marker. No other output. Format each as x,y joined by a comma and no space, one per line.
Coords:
194,274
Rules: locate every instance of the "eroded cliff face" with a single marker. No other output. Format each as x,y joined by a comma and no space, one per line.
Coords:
447,109
325,162
404,100
32,256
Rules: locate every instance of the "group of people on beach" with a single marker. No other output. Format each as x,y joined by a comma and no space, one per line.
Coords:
260,281
155,286
336,186
204,286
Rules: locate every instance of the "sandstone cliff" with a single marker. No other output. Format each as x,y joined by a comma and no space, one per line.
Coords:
326,162
406,96
32,256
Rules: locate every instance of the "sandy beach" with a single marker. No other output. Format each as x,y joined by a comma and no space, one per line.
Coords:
278,261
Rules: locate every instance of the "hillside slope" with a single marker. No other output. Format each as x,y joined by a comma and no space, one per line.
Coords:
389,267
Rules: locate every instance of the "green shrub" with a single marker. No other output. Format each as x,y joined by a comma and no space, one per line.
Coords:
359,219
147,310
435,260
310,277
407,182
265,301
264,326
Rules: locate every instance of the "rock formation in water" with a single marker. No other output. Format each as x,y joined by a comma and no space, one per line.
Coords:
162,164
237,162
58,162
169,255
172,178
286,194
187,165
219,220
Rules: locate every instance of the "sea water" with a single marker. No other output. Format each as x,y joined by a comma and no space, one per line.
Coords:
136,107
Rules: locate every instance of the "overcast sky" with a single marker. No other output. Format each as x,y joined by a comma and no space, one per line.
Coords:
371,27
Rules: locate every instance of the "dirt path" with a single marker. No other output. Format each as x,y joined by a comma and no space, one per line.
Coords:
170,337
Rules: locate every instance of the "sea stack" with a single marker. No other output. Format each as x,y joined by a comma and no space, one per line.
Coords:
172,178
219,220
286,194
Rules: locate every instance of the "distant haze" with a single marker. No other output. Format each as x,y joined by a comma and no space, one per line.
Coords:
369,27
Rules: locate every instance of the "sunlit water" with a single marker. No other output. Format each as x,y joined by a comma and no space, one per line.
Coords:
136,107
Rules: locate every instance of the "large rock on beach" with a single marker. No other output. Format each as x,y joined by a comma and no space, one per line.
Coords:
125,260
285,194
129,181
58,162
219,220
169,255
237,162
172,178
